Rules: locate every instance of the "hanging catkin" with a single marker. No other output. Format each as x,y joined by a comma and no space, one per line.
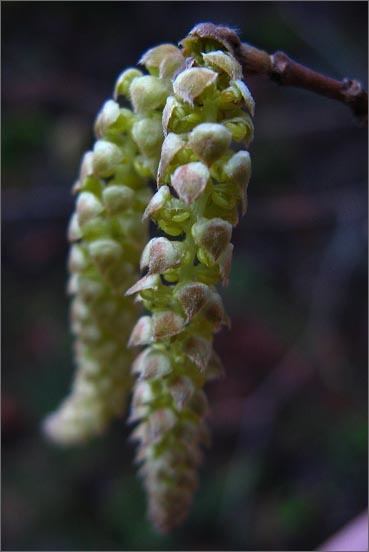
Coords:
189,127
202,180
107,236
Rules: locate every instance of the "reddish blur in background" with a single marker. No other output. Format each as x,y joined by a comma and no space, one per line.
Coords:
288,463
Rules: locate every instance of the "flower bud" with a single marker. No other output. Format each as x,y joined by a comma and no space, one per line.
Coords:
164,419
106,157
79,310
86,168
222,61
225,263
143,393
140,401
77,261
74,230
163,60
151,281
171,145
193,297
214,311
55,428
142,333
88,207
124,173
95,228
131,227
117,198
148,135
212,235
157,201
245,94
105,253
170,228
89,289
198,40
76,187
172,106
145,167
166,324
190,180
160,254
107,117
72,284
138,434
241,127
191,83
238,170
151,364
181,389
198,349
124,82
148,93
112,118
210,141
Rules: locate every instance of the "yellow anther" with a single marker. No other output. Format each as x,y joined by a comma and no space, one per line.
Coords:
181,217
171,276
221,201
170,229
204,258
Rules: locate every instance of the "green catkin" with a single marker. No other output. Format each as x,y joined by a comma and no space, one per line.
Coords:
188,113
202,179
107,236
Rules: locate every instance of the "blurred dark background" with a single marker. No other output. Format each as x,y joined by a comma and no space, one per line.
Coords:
288,463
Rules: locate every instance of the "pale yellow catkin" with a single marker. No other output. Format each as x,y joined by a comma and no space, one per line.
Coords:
107,236
202,180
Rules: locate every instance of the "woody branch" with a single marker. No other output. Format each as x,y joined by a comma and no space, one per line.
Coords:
285,71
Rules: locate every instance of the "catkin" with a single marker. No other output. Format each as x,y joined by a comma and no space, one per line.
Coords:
188,126
107,236
202,178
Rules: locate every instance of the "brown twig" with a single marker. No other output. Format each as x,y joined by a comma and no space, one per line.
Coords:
285,71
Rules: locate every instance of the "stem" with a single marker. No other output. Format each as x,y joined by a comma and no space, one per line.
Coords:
287,72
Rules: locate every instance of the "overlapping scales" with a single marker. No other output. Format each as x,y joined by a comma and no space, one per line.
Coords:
202,179
107,236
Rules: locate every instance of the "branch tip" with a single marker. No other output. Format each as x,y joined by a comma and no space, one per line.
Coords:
285,71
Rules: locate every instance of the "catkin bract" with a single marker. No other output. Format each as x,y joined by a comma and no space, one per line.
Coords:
202,178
